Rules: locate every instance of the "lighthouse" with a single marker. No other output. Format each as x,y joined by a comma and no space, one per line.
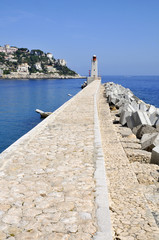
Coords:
94,70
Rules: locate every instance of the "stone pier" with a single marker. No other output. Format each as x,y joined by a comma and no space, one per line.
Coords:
53,180
48,177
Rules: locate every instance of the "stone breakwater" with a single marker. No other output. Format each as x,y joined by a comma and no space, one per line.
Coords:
141,118
133,181
47,183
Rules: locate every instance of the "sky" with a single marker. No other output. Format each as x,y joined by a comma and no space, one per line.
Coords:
124,34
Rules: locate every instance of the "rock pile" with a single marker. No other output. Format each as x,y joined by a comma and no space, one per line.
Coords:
141,118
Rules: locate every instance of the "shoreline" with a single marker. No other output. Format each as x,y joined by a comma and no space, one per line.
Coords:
42,77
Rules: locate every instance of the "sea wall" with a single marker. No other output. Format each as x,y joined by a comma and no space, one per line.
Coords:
52,179
39,76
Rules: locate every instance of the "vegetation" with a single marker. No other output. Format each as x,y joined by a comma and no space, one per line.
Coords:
6,72
23,55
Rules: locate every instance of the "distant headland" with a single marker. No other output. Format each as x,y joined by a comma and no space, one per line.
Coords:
20,63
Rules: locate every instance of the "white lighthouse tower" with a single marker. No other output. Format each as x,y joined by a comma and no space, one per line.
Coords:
94,71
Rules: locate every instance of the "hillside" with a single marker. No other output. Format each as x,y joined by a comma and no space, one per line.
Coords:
20,62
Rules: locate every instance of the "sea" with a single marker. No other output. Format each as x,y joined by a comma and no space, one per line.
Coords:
20,98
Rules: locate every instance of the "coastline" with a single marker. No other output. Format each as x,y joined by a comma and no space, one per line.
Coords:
41,76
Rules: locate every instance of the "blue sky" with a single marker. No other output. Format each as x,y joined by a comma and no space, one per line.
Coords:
124,34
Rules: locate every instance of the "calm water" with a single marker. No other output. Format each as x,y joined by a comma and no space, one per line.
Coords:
20,98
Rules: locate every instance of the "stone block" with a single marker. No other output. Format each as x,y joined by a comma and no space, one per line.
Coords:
130,122
135,129
151,109
149,141
126,107
143,129
157,123
155,155
135,105
123,116
142,107
153,118
120,103
141,118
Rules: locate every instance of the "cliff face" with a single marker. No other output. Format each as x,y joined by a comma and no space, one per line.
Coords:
22,63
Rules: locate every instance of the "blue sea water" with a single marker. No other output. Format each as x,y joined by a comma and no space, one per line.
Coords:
20,98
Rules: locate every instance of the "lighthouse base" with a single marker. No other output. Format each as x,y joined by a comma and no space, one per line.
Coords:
91,79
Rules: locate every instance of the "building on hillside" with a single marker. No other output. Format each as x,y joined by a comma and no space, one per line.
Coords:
38,66
23,68
51,69
7,49
62,62
50,56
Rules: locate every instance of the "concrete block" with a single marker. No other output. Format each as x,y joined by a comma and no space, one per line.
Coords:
113,100
149,141
135,129
130,122
142,107
126,107
144,129
153,118
135,105
151,109
141,118
123,116
157,123
155,155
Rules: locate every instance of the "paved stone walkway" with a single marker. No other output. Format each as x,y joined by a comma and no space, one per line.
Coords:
130,216
47,186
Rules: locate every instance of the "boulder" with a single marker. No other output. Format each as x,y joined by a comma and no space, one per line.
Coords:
135,105
135,129
155,155
149,141
151,109
138,118
143,129
123,116
157,123
130,122
142,107
141,118
153,118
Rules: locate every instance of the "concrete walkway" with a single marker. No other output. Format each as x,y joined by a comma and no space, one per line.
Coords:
47,184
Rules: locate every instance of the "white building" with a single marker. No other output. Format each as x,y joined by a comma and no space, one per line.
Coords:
51,69
7,49
38,66
50,56
23,68
62,62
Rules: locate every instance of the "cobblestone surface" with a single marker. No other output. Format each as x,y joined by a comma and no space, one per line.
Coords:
130,215
47,186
